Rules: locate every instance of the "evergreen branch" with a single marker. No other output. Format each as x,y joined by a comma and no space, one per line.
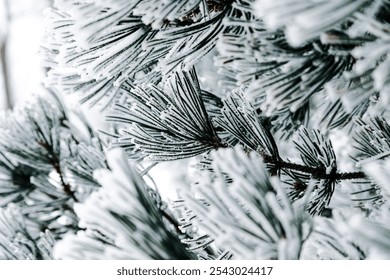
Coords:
334,113
372,140
244,125
316,172
15,185
289,64
124,212
327,235
284,87
177,227
82,161
317,153
171,220
166,124
57,167
66,186
17,241
239,119
244,215
137,39
309,26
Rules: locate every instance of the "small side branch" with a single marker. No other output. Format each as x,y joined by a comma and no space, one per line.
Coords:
176,226
57,167
315,172
66,187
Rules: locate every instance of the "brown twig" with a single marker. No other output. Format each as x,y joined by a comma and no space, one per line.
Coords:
57,167
316,172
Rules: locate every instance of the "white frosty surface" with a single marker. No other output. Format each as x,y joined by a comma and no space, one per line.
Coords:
24,38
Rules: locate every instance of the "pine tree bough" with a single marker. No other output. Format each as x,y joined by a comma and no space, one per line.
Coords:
268,99
56,165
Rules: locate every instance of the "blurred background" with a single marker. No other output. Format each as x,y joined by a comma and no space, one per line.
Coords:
21,34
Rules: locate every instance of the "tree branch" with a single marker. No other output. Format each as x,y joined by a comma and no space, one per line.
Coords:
176,226
316,172
66,187
57,167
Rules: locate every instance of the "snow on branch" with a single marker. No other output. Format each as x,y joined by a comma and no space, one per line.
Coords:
94,48
83,160
166,124
187,45
281,80
373,233
327,241
307,20
32,134
124,215
15,184
240,120
17,242
40,145
316,151
109,52
157,13
250,217
372,140
373,230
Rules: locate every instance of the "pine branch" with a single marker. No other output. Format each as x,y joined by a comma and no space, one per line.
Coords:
316,152
57,167
177,226
244,126
316,172
66,186
289,65
243,214
166,124
17,241
124,212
